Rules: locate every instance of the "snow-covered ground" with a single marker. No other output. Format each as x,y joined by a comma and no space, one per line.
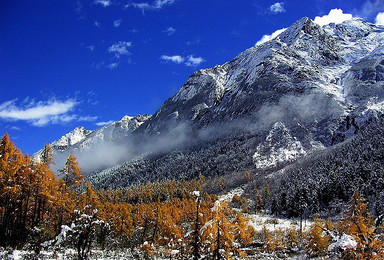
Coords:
67,254
258,221
229,196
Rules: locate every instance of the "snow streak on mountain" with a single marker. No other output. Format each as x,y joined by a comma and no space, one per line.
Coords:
309,88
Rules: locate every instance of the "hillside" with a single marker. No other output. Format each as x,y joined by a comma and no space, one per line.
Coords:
306,90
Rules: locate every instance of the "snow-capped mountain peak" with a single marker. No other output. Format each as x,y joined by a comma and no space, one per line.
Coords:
75,136
80,140
309,87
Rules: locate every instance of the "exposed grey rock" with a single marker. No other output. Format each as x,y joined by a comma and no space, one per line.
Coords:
309,88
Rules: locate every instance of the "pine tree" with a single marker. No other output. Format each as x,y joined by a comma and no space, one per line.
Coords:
259,200
196,243
318,239
269,244
72,172
47,155
27,195
242,230
292,238
219,234
12,165
359,223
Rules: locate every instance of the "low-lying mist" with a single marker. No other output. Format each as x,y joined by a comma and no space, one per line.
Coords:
290,109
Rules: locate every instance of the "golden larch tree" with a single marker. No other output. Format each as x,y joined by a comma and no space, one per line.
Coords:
72,172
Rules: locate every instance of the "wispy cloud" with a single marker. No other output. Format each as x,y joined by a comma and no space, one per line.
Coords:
113,65
117,23
157,4
277,7
194,61
106,65
104,123
370,8
169,31
266,37
15,128
195,42
188,61
120,48
91,48
175,58
97,24
39,113
104,3
335,16
79,7
87,118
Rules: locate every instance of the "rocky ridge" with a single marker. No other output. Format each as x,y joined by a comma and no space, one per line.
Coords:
309,88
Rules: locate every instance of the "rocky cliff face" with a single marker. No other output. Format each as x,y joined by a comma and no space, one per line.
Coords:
298,76
309,88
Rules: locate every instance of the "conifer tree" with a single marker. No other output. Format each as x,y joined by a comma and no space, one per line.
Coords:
318,239
219,234
259,201
292,238
72,172
268,240
359,223
196,243
27,194
243,232
47,155
12,163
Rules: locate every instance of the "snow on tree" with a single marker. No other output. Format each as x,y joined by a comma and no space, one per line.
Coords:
72,172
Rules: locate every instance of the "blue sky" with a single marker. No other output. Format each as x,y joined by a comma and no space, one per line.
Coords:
84,63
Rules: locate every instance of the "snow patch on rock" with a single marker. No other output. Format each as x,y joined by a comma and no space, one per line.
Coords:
279,146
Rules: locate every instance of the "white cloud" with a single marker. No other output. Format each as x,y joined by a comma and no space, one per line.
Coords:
106,65
91,48
161,3
120,48
188,61
335,16
175,58
169,31
157,4
277,8
142,6
104,123
113,65
266,37
40,113
117,23
15,128
87,118
104,3
380,19
194,61
97,24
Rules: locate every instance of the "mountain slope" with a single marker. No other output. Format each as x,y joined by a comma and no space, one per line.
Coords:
88,145
309,88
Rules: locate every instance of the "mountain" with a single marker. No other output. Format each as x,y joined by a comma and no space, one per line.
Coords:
306,90
83,143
